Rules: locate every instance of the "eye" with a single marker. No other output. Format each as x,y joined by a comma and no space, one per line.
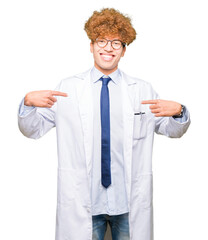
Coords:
116,42
102,41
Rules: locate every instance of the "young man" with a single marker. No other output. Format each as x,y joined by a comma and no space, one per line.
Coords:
105,123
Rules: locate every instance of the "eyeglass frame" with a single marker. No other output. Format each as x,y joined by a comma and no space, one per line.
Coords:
122,43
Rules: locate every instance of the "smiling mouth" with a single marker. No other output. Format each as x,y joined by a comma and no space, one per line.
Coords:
107,57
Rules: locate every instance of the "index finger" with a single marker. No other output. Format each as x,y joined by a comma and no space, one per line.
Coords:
57,93
150,102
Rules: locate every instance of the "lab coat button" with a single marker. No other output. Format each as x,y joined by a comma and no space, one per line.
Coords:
88,209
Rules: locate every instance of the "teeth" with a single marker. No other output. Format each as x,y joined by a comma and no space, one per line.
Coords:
107,56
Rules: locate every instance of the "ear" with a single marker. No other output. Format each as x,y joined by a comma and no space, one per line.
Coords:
91,47
124,50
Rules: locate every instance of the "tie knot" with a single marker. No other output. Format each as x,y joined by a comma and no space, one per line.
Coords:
105,80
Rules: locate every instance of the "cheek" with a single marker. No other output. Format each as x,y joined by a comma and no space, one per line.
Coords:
118,57
95,51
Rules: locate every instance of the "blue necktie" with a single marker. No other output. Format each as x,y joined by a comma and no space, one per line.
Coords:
105,133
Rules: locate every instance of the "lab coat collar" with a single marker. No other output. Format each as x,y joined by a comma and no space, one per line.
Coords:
96,75
129,80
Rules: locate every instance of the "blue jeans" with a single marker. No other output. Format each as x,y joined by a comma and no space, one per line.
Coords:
119,225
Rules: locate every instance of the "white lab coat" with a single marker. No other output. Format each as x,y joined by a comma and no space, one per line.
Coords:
73,118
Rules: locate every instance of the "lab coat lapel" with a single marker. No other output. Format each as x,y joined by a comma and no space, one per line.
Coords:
85,101
128,118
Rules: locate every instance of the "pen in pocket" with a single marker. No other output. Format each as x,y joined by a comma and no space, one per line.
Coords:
139,113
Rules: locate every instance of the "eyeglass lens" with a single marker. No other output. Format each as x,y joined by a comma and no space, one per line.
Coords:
116,44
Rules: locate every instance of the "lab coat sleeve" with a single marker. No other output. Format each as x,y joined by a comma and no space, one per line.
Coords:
23,109
171,127
34,122
37,122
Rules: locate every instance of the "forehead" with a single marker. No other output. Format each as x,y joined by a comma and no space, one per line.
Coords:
112,37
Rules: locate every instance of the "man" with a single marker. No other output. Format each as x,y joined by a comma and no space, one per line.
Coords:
105,123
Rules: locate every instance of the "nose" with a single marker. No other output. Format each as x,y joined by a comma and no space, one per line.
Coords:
108,47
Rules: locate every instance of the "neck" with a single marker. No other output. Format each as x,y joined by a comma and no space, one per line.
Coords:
106,71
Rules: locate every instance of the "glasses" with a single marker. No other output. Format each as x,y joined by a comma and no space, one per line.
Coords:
115,44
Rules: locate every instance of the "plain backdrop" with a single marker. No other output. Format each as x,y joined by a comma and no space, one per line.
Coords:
43,42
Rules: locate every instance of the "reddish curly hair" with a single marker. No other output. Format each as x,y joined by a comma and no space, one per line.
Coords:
110,22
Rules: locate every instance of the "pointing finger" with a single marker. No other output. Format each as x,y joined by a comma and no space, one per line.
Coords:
150,102
57,93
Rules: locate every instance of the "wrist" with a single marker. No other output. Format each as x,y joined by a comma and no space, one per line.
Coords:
27,101
180,114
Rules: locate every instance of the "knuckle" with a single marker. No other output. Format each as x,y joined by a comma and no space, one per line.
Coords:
49,93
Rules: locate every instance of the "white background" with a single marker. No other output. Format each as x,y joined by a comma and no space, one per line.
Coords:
43,42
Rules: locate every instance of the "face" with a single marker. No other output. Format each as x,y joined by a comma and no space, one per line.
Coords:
106,59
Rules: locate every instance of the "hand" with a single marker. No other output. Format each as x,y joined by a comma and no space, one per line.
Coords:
44,98
164,108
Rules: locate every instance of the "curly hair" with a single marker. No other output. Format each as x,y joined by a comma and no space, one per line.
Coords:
110,22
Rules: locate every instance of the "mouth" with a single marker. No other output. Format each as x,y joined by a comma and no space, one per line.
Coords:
107,57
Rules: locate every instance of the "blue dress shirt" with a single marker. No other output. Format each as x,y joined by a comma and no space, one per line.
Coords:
113,200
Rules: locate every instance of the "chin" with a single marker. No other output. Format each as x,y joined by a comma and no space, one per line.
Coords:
107,67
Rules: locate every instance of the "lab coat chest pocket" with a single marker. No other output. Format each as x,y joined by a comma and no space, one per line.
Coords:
140,125
66,186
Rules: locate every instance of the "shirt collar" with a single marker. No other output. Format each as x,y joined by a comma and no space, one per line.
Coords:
96,75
